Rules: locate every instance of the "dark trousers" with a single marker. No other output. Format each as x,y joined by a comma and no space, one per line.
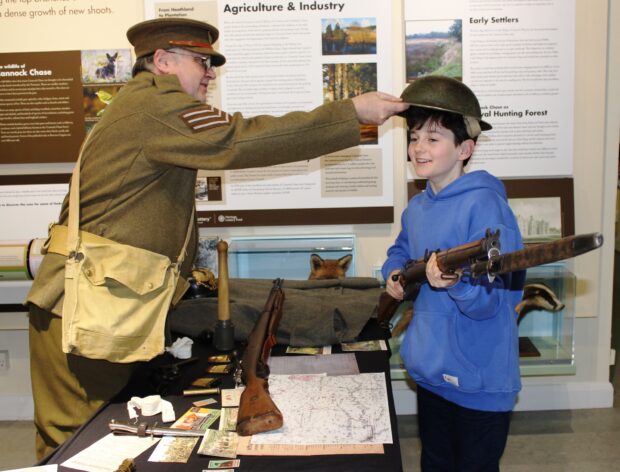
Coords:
460,439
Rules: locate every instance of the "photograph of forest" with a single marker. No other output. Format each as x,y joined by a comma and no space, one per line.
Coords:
434,48
349,36
342,81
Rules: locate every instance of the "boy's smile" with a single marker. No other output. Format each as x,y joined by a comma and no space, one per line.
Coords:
435,155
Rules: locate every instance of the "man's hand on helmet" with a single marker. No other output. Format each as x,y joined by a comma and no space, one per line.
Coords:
374,108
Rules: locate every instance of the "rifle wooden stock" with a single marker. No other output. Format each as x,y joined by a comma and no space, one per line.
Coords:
493,263
257,411
387,307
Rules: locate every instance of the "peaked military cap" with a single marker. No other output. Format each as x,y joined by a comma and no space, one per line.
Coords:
166,33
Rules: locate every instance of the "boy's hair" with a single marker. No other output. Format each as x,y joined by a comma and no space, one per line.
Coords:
418,116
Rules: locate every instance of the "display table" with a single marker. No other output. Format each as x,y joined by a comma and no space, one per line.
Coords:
149,379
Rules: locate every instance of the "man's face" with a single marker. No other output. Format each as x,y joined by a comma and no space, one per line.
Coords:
193,75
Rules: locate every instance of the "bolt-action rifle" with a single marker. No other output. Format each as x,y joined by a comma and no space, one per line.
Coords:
480,258
257,411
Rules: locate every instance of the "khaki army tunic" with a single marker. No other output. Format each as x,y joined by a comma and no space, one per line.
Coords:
139,165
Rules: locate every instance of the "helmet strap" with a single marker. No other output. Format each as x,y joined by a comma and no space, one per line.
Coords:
472,125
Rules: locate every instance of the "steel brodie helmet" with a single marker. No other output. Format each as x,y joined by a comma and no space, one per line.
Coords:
446,94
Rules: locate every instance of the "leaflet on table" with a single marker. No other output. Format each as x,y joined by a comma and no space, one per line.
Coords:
106,454
519,60
287,56
197,418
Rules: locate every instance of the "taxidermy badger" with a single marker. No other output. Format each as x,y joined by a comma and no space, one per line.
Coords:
537,297
321,269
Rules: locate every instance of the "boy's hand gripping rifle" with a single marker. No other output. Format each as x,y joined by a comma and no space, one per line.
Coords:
257,411
483,257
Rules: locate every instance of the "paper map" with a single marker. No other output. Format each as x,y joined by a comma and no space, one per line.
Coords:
319,409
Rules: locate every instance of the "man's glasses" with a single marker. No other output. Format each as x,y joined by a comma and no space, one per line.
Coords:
205,61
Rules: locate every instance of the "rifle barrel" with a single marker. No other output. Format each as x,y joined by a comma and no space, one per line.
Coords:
535,255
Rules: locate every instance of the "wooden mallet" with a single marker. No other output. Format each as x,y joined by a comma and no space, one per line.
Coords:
224,335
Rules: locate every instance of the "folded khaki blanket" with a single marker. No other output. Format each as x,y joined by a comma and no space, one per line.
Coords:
316,312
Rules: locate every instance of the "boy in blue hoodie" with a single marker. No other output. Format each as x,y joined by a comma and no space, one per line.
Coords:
461,346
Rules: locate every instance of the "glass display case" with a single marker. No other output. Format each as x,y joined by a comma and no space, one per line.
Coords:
546,324
285,257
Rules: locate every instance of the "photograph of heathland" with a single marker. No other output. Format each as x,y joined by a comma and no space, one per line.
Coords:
434,48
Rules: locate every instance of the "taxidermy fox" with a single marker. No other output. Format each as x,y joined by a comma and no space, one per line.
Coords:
321,269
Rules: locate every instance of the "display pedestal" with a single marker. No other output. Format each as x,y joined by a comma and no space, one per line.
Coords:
527,348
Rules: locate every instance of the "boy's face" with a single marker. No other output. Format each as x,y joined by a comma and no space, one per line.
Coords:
435,156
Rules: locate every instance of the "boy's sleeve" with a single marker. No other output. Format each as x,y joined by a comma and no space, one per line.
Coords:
480,298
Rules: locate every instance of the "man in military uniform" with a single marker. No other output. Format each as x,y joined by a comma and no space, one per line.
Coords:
138,171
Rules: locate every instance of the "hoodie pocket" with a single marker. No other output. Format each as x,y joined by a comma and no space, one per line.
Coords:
432,354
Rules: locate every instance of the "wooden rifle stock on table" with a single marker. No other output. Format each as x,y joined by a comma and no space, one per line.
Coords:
483,258
257,411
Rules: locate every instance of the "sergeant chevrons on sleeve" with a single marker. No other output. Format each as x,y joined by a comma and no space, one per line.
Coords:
205,117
